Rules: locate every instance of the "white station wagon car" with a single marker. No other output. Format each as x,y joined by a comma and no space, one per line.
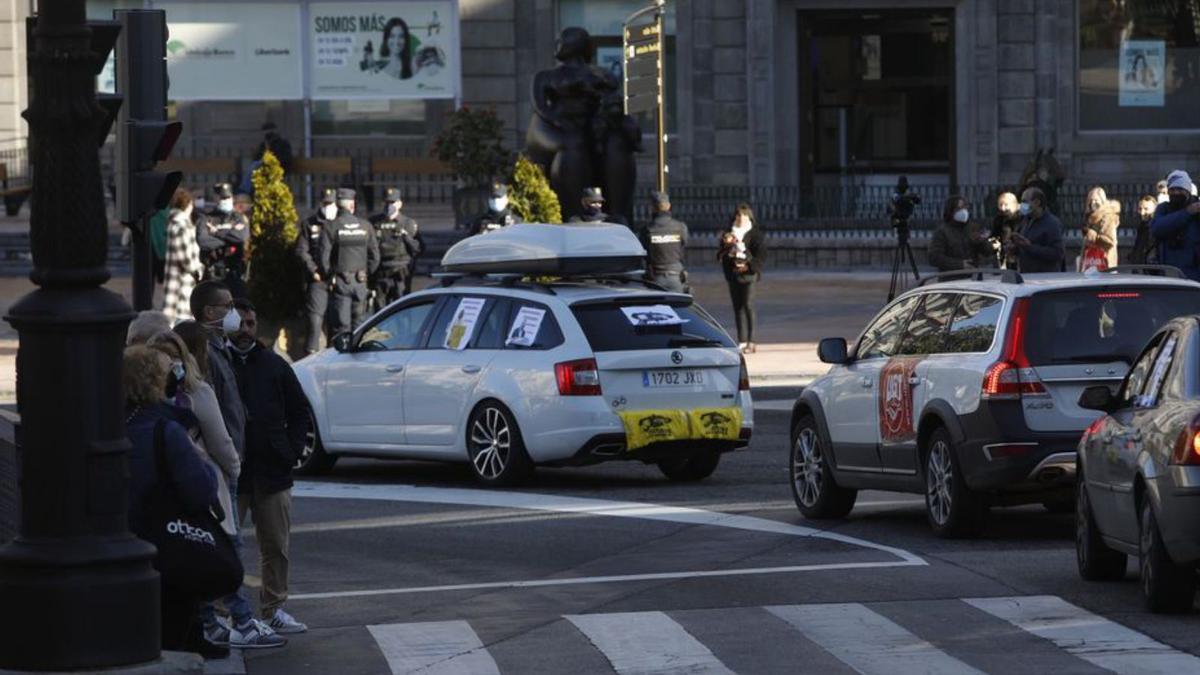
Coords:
507,373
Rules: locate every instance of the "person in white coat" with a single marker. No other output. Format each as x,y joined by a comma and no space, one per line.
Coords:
183,266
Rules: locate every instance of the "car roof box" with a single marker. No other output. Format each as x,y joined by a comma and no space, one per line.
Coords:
575,249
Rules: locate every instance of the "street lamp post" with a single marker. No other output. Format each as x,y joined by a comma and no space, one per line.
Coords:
78,590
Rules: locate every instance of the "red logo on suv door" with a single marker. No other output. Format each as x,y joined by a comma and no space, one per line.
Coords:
896,400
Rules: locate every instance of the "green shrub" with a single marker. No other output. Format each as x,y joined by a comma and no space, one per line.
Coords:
275,278
530,194
472,145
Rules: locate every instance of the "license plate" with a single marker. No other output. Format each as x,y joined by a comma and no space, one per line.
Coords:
676,377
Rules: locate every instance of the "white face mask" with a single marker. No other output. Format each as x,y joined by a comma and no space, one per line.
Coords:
393,209
1025,208
962,215
225,206
329,211
498,204
231,323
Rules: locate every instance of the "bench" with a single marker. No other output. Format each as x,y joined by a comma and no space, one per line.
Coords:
14,195
420,179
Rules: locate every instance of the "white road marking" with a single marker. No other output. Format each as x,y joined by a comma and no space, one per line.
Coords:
868,642
437,648
1092,638
638,643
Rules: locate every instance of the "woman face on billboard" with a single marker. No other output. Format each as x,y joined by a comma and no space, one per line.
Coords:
395,49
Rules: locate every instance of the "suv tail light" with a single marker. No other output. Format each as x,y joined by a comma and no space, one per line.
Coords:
1012,376
1187,446
578,378
743,376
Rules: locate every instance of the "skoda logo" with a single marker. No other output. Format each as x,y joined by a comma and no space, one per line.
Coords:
677,357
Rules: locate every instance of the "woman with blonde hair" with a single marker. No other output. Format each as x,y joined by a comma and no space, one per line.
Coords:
1099,232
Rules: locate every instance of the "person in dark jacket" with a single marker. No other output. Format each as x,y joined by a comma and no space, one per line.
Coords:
593,209
958,244
1176,226
665,240
398,248
1007,221
222,235
499,213
144,378
350,256
742,254
1144,251
311,252
277,425
1038,245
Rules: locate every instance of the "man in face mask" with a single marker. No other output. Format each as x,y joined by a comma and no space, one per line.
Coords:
212,306
351,256
957,244
1144,251
222,235
498,213
1176,226
274,442
309,248
398,249
1007,220
1038,245
665,240
593,208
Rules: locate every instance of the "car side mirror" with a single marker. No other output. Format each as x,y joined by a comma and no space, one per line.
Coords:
1098,397
833,351
341,342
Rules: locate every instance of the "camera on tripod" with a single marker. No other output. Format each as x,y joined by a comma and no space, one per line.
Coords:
904,203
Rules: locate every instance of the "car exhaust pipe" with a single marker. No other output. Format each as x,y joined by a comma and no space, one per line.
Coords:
1051,474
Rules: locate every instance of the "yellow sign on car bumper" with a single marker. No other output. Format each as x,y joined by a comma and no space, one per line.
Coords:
644,427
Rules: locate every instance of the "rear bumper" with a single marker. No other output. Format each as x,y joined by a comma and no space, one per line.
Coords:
1000,453
1179,502
611,447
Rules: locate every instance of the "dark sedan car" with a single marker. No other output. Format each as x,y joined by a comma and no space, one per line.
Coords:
1139,472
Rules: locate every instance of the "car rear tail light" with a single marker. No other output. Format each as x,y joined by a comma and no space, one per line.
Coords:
1122,295
743,376
1012,376
578,378
1187,446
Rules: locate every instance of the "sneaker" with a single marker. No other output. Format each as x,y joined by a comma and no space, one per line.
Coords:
255,635
218,632
197,643
286,624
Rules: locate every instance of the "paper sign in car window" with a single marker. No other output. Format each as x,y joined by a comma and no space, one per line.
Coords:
653,315
525,327
462,326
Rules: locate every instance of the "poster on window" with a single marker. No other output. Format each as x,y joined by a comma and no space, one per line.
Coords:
252,54
384,50
1142,73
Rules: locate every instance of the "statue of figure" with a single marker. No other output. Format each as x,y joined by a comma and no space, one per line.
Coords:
1046,173
579,133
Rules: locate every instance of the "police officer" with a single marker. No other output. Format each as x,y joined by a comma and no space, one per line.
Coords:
351,256
398,248
498,214
665,240
593,208
309,248
222,235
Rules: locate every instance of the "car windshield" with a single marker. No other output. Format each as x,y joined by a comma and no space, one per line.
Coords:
1101,325
650,324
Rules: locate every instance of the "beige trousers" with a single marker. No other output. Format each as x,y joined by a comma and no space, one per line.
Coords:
272,516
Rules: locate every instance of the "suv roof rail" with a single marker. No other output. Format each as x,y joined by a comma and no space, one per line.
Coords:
1168,271
1006,276
448,279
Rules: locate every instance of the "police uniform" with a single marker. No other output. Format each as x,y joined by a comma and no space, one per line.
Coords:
665,240
351,256
398,248
592,195
310,249
222,237
492,219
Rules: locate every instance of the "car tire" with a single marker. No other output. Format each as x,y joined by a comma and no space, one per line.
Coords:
1167,587
952,509
1096,561
817,494
313,460
699,466
495,448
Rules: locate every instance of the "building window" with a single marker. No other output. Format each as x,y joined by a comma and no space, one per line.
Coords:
603,20
374,117
1139,65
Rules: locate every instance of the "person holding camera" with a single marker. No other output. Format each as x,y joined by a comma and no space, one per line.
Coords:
958,244
1176,226
742,254
1038,245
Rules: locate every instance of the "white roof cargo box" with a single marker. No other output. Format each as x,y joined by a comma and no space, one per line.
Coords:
559,250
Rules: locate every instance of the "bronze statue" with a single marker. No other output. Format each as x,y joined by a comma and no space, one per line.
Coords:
579,133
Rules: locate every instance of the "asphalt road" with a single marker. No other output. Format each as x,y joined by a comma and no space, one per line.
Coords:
408,567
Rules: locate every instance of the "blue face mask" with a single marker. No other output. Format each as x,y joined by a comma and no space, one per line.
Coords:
1025,208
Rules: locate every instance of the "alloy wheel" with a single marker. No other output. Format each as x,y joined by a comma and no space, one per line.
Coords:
310,442
939,482
807,468
491,439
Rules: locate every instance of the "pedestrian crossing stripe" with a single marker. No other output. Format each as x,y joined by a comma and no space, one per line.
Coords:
861,638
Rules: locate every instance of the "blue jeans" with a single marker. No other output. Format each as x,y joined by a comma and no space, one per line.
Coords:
235,602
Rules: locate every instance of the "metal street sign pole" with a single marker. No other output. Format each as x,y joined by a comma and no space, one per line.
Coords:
659,19
643,49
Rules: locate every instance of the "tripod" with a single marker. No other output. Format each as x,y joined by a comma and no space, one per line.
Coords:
903,251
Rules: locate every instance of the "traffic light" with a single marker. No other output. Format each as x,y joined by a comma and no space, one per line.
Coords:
144,136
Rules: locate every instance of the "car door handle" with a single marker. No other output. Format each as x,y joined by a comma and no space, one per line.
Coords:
395,369
865,382
471,369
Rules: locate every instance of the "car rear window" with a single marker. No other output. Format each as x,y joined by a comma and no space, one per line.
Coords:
609,328
1105,324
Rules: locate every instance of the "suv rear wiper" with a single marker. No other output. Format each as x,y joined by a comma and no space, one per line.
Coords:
687,340
1096,358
